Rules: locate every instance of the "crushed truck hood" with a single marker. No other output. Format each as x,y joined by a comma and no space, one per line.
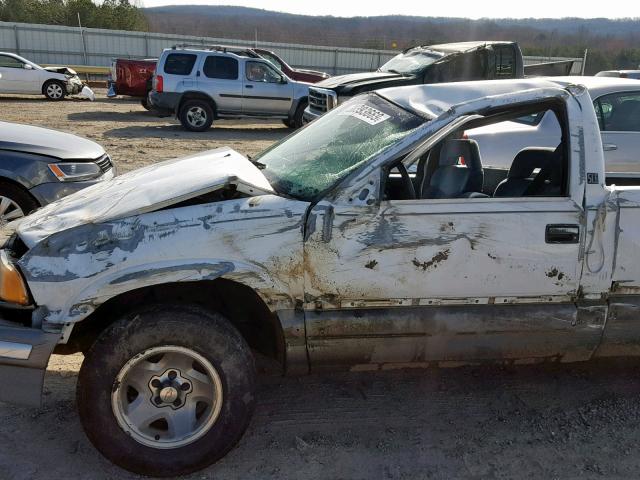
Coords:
145,190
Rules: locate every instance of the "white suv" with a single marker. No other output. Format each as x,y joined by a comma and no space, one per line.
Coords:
200,84
19,75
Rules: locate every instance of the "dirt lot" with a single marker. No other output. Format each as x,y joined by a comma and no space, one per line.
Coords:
548,422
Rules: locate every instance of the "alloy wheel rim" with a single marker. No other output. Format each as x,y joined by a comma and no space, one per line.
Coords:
167,397
9,210
54,90
196,116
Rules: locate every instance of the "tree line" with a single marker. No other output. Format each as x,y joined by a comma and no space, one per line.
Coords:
112,14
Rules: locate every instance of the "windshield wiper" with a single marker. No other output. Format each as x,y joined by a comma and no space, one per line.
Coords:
258,164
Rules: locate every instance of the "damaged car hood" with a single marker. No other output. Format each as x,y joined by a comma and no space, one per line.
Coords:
343,83
145,190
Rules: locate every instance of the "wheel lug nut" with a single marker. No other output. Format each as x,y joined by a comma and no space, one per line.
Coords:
185,386
172,375
155,383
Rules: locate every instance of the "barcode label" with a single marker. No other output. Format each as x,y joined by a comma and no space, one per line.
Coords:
365,113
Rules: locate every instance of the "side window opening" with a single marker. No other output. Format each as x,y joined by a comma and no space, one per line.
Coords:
496,159
261,72
225,68
619,112
179,63
10,62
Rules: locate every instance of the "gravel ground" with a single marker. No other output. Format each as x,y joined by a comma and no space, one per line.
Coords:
538,422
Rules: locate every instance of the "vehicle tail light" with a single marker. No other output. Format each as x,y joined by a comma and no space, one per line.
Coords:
158,83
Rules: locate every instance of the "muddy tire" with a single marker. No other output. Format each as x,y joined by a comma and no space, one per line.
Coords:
196,115
54,90
167,390
15,202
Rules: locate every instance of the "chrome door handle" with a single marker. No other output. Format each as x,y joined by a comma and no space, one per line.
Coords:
609,147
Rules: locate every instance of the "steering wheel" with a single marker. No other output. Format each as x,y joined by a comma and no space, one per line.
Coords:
408,187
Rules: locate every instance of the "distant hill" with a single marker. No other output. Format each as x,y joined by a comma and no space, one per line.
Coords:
549,37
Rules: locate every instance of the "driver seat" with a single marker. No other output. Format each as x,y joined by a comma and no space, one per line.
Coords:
451,179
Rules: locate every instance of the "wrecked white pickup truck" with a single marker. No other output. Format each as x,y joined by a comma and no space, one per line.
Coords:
323,251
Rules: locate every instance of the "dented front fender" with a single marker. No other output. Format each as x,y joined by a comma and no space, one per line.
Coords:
255,241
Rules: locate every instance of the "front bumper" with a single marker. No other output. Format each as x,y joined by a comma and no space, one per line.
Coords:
46,193
24,355
310,115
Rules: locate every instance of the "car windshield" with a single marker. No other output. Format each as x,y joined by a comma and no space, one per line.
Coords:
411,62
314,159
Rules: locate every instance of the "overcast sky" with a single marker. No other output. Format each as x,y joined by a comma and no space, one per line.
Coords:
459,8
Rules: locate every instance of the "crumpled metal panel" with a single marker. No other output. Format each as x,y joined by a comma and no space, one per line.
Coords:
145,190
256,241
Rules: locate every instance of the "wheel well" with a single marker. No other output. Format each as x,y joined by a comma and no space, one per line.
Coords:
54,80
20,186
196,96
240,304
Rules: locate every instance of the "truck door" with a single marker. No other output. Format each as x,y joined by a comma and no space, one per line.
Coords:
619,118
220,79
265,90
483,273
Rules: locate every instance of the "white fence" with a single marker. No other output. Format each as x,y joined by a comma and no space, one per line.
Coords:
52,44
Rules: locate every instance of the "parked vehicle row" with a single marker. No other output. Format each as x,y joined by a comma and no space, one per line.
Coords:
134,77
199,85
21,76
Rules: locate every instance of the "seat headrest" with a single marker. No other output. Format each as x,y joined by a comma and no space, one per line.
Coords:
529,159
452,150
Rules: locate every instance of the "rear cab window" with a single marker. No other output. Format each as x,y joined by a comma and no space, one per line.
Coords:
179,63
224,68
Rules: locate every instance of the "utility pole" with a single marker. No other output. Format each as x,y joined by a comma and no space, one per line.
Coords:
255,45
584,61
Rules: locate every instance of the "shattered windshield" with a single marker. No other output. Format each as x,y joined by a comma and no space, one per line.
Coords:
411,62
311,161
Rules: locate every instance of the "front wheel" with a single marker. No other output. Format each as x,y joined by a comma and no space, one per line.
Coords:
196,115
15,202
297,120
54,90
167,390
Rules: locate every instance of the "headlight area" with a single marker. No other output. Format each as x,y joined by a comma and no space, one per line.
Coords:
12,286
75,172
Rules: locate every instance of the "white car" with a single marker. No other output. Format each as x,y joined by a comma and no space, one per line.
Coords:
617,105
19,75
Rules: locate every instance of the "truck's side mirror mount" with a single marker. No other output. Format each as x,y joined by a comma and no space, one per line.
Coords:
27,67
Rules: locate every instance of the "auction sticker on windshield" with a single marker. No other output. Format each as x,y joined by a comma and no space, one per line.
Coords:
365,113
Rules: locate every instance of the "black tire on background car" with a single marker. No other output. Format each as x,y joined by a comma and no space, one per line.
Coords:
296,121
15,202
54,90
145,103
287,123
167,390
196,115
